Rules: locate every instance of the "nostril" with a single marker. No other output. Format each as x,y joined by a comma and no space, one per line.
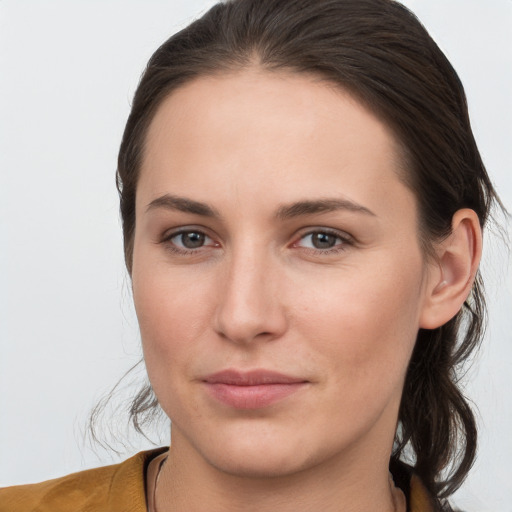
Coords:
246,326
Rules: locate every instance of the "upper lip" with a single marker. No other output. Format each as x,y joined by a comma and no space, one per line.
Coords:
251,378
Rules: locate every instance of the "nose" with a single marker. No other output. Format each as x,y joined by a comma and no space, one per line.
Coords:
250,301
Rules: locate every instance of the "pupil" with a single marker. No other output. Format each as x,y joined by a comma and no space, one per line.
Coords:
324,240
192,240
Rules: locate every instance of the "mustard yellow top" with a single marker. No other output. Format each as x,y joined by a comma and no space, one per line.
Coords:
118,488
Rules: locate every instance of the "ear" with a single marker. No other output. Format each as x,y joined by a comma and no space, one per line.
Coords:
449,282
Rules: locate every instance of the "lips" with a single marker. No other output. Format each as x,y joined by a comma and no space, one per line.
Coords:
254,389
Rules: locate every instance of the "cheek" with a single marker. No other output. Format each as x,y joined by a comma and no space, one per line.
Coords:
173,319
365,325
170,329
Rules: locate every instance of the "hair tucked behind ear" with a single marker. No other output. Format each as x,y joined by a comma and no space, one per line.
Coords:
435,417
378,51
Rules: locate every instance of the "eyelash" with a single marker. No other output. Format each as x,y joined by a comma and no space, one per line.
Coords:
345,242
345,239
167,241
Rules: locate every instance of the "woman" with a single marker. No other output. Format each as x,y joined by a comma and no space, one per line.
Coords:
303,204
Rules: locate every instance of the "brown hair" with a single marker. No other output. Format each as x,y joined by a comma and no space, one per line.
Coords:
380,52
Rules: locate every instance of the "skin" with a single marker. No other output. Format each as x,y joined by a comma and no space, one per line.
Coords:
259,294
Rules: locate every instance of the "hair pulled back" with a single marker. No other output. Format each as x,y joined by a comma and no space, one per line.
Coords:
379,52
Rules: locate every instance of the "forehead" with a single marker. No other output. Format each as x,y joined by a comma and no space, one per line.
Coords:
256,131
257,98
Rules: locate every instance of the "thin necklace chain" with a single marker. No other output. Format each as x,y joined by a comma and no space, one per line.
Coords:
160,466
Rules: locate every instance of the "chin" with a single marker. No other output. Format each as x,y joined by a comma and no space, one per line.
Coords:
259,465
264,454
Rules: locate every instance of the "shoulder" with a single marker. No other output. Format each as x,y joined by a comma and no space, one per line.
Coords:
120,487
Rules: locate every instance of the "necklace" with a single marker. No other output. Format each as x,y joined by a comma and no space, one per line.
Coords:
152,507
397,495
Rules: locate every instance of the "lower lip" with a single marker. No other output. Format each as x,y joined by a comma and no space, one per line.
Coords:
252,397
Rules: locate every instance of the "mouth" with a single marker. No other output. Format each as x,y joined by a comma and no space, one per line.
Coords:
255,389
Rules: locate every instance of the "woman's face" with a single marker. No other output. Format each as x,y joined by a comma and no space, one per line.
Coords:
277,274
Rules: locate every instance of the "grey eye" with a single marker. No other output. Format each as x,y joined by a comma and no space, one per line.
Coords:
190,240
323,240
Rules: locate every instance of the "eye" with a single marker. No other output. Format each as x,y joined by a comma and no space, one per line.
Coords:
324,241
188,241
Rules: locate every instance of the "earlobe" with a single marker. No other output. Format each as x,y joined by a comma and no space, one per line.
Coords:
450,282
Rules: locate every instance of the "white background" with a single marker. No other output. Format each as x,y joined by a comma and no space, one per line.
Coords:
68,70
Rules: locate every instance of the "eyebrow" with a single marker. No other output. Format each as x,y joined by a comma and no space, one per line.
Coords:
296,209
300,208
182,204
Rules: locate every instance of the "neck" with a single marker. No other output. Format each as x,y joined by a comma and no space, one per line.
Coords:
187,482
